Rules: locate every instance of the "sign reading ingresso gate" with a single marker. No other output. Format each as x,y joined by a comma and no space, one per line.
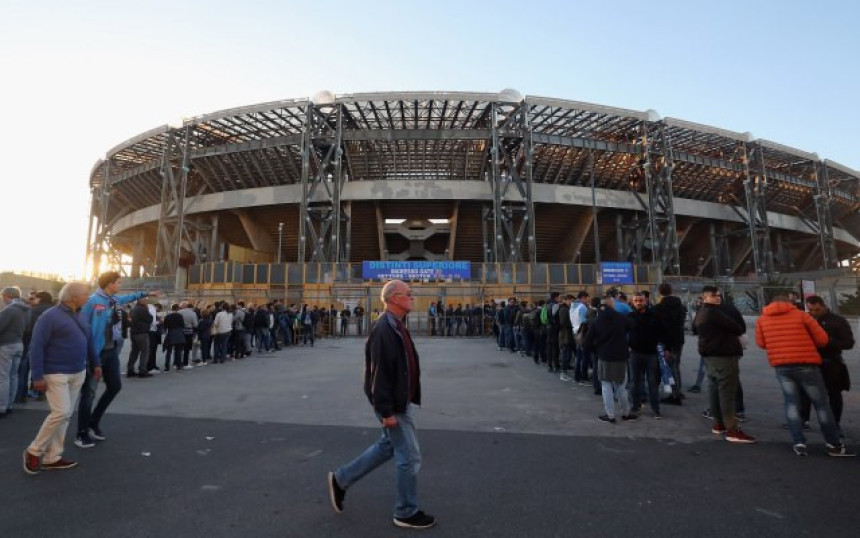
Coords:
416,270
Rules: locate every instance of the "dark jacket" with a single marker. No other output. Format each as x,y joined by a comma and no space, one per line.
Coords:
35,313
204,327
718,332
565,333
141,319
13,322
841,337
672,314
174,328
645,332
608,336
386,368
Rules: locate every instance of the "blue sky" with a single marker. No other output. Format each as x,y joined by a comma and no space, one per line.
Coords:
79,78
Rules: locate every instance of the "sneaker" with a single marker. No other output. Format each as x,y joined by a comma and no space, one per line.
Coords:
60,464
188,367
564,377
742,417
658,416
418,520
800,449
32,464
335,494
738,436
84,441
606,418
97,433
718,428
695,389
154,371
630,418
840,451
707,414
203,363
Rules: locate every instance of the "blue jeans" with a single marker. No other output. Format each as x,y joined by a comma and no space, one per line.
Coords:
647,365
566,354
582,360
10,360
611,391
806,378
23,376
221,346
87,416
263,339
400,443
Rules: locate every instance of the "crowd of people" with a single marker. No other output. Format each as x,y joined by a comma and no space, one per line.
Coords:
60,351
628,350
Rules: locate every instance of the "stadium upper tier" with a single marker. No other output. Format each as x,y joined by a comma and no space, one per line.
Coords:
413,146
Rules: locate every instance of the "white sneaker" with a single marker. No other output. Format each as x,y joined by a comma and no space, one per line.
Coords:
204,363
189,367
155,371
565,378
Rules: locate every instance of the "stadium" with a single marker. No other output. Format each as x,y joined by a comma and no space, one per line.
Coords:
531,191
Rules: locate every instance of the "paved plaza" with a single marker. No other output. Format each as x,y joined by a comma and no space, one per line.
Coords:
242,449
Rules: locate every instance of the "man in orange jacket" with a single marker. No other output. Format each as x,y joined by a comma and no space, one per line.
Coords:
792,338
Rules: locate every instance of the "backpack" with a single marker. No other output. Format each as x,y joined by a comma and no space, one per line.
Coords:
545,315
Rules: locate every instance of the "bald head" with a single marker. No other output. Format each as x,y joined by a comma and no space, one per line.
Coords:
396,297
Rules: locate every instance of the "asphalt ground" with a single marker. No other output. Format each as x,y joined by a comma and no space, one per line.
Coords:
242,449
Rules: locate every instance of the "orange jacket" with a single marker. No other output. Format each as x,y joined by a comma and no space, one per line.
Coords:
789,335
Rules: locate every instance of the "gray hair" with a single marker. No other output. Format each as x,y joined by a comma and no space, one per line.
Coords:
389,289
12,291
69,290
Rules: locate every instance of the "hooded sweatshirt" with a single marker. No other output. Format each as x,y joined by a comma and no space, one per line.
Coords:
790,336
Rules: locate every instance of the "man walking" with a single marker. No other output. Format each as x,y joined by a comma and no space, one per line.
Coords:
790,337
720,346
833,368
102,313
392,383
60,353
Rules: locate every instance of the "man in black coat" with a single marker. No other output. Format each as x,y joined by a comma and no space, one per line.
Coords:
141,319
392,383
719,345
671,313
645,334
608,338
833,368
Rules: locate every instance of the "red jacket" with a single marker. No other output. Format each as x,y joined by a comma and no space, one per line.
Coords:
790,336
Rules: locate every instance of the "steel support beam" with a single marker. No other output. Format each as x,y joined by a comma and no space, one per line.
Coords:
171,220
822,196
657,166
511,155
321,215
755,210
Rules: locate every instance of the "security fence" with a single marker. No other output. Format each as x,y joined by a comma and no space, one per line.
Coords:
338,286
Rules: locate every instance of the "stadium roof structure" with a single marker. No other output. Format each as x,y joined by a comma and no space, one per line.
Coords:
521,150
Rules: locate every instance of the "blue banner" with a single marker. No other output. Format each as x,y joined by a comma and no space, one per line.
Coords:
416,270
617,272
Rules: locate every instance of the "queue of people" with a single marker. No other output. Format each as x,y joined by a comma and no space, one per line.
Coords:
628,350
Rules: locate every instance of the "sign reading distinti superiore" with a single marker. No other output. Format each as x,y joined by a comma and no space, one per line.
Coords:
416,270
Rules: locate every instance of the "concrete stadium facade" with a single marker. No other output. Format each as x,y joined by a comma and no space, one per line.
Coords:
467,176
